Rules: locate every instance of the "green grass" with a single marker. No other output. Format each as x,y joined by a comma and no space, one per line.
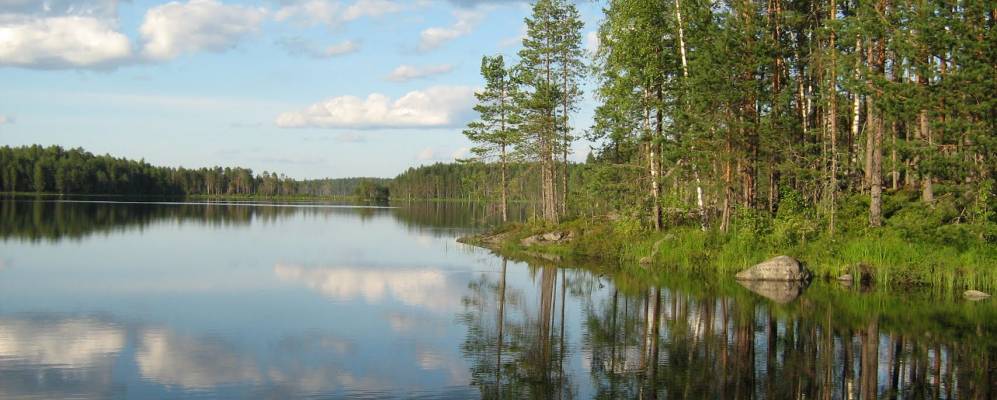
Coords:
912,249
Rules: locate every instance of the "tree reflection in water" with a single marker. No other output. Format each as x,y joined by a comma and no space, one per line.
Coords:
38,219
684,339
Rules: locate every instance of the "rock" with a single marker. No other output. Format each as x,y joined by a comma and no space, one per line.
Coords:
781,268
552,236
543,256
781,292
648,260
531,240
845,278
975,295
487,241
549,237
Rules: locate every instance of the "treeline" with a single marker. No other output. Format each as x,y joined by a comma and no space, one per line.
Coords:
594,187
75,171
728,106
470,181
343,187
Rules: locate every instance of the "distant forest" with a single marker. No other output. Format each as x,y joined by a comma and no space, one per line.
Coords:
76,171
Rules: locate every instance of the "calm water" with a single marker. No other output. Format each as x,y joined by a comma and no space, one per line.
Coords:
112,300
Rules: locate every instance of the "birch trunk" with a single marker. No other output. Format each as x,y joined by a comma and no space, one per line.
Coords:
685,76
833,117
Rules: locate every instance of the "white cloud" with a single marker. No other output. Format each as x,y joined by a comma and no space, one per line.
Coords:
407,72
334,13
426,154
432,38
61,42
461,153
370,8
302,47
341,48
435,154
176,28
435,107
592,41
5,120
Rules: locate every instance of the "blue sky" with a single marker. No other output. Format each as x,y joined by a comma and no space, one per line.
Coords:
310,88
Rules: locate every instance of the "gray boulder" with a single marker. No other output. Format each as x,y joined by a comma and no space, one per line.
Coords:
781,268
975,295
547,238
781,292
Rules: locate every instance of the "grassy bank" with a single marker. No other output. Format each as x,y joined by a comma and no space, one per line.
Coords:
917,246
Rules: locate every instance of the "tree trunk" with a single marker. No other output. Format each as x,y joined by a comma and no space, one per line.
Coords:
685,77
927,191
567,139
833,118
501,325
875,148
894,175
728,191
505,188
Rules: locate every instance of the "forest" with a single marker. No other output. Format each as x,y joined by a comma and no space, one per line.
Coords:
37,169
728,106
858,133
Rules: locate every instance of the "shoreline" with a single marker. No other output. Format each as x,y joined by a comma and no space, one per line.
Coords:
878,258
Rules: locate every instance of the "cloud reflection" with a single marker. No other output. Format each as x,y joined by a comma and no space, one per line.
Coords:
57,357
426,288
68,343
193,363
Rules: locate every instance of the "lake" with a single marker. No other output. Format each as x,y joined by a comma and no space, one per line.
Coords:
108,299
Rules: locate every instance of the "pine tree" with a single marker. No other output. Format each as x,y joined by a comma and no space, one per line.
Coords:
537,70
496,132
569,56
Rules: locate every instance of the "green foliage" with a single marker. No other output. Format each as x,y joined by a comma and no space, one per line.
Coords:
76,171
794,222
371,191
496,131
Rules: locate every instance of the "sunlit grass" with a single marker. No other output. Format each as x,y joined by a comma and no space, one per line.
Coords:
884,254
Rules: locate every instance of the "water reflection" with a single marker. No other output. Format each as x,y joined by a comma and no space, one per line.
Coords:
57,356
781,292
428,288
687,340
516,346
34,220
241,301
193,363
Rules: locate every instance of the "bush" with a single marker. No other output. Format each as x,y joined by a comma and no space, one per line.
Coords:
794,222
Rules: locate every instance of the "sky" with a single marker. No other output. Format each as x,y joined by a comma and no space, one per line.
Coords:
309,88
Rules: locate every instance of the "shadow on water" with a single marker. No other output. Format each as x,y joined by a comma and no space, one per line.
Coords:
31,219
686,337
